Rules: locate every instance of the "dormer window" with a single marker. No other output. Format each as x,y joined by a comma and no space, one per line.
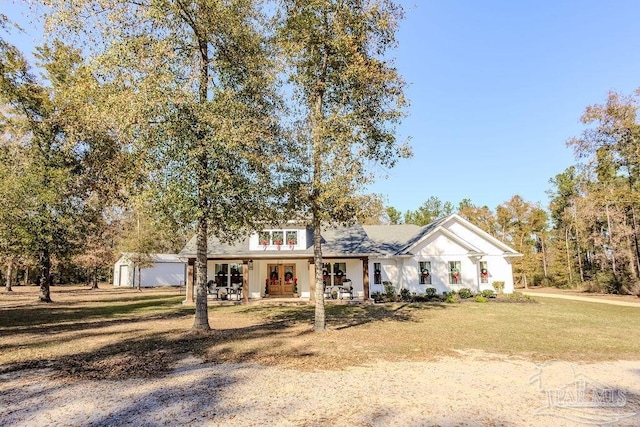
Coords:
292,239
265,238
278,239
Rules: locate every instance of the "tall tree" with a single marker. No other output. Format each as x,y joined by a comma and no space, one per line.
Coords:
432,209
191,84
348,97
522,225
481,216
394,216
52,199
610,146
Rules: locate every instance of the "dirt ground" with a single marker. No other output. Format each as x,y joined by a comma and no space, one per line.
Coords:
475,389
582,296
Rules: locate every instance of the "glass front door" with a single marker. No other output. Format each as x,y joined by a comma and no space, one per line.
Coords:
282,279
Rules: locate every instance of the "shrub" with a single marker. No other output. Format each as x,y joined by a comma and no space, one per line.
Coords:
481,298
465,293
488,293
451,297
405,294
390,293
432,295
498,286
420,298
377,297
516,297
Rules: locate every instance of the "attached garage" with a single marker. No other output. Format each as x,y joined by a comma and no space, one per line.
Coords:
165,270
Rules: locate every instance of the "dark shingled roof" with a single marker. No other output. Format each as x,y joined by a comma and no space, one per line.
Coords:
351,240
341,241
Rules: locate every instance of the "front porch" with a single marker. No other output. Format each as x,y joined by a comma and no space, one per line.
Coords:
283,302
293,279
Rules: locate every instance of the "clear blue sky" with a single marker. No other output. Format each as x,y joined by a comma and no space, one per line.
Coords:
496,88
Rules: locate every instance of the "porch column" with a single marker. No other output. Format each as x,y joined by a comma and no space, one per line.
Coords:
312,281
245,281
189,284
365,278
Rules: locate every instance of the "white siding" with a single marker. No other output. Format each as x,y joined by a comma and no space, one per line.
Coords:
163,274
440,250
125,273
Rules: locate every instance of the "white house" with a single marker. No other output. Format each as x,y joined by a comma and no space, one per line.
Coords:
165,270
448,254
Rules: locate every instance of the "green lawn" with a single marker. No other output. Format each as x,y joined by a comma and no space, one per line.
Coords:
112,333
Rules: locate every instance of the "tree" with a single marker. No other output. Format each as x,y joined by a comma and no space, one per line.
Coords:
347,97
605,214
141,237
96,249
191,84
51,202
394,216
481,216
432,209
522,225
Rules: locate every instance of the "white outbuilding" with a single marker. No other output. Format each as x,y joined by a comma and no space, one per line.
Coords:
164,270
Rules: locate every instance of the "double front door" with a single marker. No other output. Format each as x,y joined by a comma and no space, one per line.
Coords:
282,279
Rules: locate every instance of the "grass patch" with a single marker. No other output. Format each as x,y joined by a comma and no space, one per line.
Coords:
114,334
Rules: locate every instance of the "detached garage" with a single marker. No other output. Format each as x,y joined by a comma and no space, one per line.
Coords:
165,270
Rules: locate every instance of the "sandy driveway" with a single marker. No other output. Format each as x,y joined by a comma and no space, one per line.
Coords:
621,300
474,389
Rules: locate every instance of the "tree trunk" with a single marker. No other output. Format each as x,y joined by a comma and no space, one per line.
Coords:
319,322
610,232
139,286
635,241
566,242
94,276
544,258
201,321
9,281
45,276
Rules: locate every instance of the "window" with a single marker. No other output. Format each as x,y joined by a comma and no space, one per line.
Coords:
292,238
484,272
377,273
265,238
455,274
228,274
425,272
221,271
277,238
339,272
269,238
334,274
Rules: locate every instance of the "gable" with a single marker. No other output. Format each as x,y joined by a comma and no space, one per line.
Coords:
442,243
464,234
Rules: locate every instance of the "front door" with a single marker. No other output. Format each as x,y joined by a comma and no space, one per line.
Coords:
281,280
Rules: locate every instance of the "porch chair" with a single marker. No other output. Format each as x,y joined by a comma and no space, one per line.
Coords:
345,289
327,291
212,289
235,292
